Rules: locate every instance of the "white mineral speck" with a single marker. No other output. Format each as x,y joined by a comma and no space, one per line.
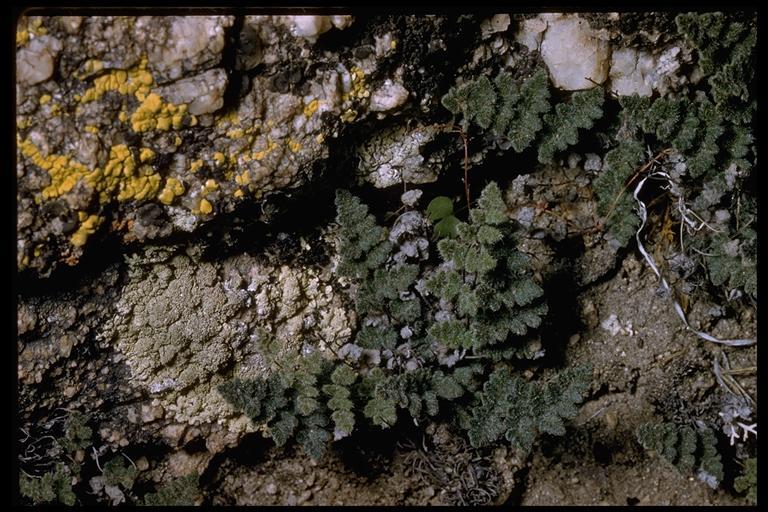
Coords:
612,325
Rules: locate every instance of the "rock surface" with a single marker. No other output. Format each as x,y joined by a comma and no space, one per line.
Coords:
175,180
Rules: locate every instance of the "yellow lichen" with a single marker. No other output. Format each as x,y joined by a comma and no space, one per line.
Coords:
173,188
271,145
90,67
146,154
45,98
121,165
22,37
244,178
235,133
35,26
139,187
210,186
230,117
348,116
63,170
311,108
194,166
238,193
155,114
136,81
358,89
91,129
294,146
320,138
219,157
87,228
205,207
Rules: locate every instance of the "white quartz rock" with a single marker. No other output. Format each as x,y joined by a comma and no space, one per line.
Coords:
342,22
35,62
631,72
531,32
390,95
193,41
310,26
497,23
574,54
204,92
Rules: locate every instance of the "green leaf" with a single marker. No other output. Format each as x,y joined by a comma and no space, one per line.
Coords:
488,235
447,228
748,480
490,208
564,123
340,403
526,291
344,421
406,311
431,403
54,485
479,260
306,405
282,430
445,386
245,395
314,440
452,250
381,412
468,302
445,284
343,375
77,434
452,333
439,208
534,101
118,472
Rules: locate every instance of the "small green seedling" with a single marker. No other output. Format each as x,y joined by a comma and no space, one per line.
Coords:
440,210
